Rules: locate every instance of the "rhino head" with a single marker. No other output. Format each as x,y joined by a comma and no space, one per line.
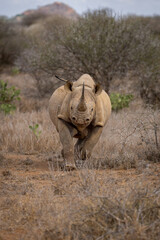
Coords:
82,104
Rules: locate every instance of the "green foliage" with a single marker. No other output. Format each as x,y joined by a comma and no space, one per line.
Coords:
7,96
120,101
35,130
7,108
15,71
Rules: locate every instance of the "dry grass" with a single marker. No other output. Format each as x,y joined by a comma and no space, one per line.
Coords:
87,204
16,136
40,202
22,81
129,139
113,196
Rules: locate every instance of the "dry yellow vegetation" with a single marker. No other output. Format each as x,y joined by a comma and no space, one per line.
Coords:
114,195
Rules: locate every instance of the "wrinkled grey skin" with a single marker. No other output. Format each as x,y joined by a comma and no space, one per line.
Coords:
79,110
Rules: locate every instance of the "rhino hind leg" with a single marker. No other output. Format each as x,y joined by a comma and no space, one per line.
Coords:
85,146
92,140
80,151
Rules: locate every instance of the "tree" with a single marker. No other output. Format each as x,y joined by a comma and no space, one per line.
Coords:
11,41
44,56
32,18
108,46
99,43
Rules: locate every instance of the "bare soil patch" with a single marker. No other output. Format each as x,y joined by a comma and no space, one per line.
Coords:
38,201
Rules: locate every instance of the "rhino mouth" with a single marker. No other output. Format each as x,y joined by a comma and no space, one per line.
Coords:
79,124
82,125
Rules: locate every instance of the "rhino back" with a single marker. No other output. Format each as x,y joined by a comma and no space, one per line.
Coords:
86,79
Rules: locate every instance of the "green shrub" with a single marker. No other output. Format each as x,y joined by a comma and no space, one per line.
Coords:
35,130
15,71
120,101
7,97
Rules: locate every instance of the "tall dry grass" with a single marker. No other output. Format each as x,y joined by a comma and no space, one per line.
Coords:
128,139
16,136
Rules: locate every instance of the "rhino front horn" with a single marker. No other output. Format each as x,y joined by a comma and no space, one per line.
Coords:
82,105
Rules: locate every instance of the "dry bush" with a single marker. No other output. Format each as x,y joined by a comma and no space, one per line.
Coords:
32,18
44,63
130,138
152,22
12,41
84,205
112,219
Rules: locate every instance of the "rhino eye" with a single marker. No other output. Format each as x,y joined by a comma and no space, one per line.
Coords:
91,109
71,108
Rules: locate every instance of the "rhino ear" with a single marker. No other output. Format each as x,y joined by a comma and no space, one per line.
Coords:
68,86
98,89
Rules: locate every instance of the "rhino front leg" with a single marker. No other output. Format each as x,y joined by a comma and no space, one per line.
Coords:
65,133
86,146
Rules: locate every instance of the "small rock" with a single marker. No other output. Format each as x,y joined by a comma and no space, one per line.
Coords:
28,161
6,173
